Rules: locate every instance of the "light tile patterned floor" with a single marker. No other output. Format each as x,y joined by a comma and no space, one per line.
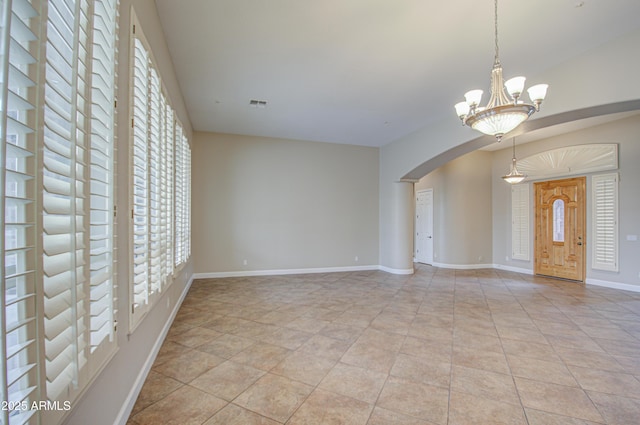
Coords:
438,347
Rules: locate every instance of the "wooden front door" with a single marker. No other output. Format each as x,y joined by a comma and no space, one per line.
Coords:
560,228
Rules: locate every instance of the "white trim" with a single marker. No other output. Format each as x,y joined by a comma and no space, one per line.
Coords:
395,271
614,285
463,266
513,269
130,401
275,272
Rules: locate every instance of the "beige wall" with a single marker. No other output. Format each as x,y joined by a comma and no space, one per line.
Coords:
282,204
462,210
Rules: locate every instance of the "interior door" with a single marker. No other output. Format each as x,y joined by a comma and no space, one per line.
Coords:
560,228
424,226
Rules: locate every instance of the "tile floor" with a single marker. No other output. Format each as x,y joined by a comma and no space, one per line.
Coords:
438,347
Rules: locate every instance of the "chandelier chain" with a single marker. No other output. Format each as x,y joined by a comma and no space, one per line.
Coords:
495,26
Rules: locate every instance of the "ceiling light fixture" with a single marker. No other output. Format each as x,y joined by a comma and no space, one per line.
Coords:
514,175
501,115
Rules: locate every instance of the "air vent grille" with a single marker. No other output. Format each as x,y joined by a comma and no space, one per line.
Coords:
258,103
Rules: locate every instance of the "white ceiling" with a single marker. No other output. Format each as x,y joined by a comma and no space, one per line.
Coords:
365,72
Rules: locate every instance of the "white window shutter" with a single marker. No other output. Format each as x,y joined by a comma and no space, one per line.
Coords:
520,239
102,166
159,189
18,179
65,196
57,190
187,200
155,178
140,184
183,197
169,192
605,222
179,200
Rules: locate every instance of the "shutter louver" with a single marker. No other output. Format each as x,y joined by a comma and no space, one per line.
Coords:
18,262
605,222
520,222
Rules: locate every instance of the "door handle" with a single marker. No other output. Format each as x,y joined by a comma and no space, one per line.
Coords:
579,243
429,237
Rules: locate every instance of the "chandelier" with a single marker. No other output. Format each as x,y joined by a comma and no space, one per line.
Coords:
501,115
514,175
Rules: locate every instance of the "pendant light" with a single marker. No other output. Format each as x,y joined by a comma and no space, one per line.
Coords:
514,175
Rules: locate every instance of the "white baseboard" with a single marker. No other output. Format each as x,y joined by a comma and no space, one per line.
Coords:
614,285
127,407
248,273
588,281
513,269
275,272
396,271
463,266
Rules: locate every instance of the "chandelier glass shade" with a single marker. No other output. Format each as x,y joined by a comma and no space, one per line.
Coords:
503,112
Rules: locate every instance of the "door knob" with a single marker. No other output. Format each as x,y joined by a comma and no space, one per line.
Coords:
580,243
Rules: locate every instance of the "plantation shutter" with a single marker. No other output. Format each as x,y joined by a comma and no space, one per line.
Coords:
605,222
183,196
57,197
167,192
520,222
187,191
155,181
19,261
160,189
103,132
65,195
140,273
179,191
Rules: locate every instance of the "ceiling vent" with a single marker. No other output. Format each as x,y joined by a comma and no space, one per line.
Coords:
258,103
